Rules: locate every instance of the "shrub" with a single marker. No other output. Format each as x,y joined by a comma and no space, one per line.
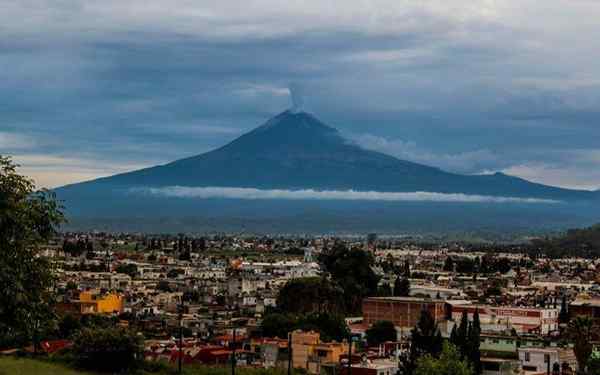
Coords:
107,349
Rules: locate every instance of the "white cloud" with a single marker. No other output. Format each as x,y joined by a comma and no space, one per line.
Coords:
474,162
585,178
310,194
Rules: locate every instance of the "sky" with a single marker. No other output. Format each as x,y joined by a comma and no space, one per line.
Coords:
93,88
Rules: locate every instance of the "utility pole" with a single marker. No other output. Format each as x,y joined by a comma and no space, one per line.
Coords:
289,372
180,308
350,355
233,354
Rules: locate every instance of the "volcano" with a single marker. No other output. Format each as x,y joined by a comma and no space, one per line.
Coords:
292,151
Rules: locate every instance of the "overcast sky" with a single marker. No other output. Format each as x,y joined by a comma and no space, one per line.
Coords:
91,88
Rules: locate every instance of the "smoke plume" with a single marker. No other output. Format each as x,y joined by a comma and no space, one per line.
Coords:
297,93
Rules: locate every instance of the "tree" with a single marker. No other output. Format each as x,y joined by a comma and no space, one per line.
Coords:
107,349
277,325
563,315
351,270
426,339
331,327
28,218
385,290
580,331
68,325
380,332
449,363
473,343
311,294
128,269
593,364
401,287
460,337
407,269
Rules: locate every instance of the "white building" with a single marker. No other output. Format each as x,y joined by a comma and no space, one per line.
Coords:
522,319
544,360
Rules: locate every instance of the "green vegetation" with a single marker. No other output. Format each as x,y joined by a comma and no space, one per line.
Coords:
331,327
426,340
310,295
449,363
28,218
350,269
580,330
466,339
576,242
28,366
381,332
107,349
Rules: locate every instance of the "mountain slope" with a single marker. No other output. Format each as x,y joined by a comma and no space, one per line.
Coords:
297,151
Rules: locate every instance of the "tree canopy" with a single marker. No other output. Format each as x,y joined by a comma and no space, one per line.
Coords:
449,363
28,218
380,332
351,270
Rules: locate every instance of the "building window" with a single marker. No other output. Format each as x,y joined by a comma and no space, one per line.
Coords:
526,356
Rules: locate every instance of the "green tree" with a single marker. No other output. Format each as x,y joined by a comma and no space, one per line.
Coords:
401,287
473,352
426,339
330,326
385,290
460,337
311,295
277,325
563,315
580,331
380,332
28,218
128,269
107,349
68,325
351,270
593,364
449,363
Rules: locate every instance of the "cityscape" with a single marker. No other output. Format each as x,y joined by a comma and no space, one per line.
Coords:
300,188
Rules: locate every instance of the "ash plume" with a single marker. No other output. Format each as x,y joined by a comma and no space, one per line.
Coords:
297,93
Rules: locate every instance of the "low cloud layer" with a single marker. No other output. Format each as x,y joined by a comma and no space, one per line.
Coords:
310,194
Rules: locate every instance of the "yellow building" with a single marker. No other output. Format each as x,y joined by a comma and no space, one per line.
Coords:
94,303
308,352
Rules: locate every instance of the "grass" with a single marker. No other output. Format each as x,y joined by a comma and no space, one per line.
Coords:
27,366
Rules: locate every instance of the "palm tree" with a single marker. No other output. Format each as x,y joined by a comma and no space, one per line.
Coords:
580,331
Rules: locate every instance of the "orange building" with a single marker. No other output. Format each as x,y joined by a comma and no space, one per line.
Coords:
90,302
309,353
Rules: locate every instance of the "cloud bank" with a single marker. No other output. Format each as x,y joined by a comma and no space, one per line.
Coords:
310,194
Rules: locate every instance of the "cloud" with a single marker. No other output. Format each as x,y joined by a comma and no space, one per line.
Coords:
467,86
53,171
469,162
12,141
310,194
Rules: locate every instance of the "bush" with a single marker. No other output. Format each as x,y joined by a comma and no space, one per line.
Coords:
109,349
380,332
